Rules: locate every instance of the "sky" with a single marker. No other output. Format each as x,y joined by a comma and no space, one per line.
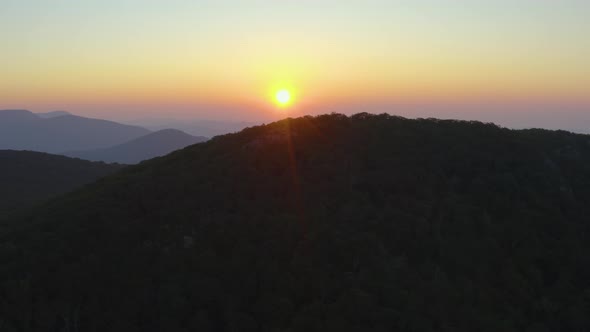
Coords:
515,62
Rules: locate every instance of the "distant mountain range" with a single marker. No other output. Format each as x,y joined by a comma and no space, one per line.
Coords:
146,147
208,128
53,114
63,133
58,132
29,177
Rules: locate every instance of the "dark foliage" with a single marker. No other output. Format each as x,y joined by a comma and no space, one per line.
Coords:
329,223
29,177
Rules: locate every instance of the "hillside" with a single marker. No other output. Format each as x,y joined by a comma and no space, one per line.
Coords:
329,223
24,130
29,177
146,147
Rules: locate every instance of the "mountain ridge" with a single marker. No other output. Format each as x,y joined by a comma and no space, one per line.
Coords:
152,145
24,130
53,114
29,178
327,223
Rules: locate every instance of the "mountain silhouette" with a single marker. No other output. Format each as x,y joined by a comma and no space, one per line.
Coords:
53,114
327,223
17,116
24,130
207,128
28,177
146,147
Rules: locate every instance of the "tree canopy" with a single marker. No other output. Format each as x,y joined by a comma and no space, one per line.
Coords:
327,223
28,178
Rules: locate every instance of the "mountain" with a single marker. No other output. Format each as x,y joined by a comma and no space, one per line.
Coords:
146,147
17,116
24,130
207,128
52,114
328,223
28,177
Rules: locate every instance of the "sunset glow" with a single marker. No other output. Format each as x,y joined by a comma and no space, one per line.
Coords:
134,58
283,97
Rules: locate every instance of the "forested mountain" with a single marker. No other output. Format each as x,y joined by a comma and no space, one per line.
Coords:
328,223
146,147
29,177
24,130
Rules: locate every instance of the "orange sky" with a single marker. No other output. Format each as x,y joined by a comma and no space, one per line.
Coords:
225,59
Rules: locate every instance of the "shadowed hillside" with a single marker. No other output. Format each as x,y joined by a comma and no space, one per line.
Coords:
329,223
29,177
146,147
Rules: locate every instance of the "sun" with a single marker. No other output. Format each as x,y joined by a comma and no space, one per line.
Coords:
283,97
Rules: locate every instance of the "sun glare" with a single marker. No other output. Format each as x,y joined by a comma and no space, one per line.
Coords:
283,97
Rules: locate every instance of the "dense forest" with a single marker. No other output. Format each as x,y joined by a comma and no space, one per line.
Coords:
327,223
27,177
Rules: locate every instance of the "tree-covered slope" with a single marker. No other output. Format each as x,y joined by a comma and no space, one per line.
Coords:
329,223
28,177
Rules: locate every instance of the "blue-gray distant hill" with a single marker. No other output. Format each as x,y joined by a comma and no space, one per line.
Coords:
197,127
53,114
147,147
28,177
25,130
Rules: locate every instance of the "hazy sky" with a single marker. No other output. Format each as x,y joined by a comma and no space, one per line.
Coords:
501,60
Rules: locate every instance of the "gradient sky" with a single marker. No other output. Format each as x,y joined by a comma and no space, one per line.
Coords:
516,62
